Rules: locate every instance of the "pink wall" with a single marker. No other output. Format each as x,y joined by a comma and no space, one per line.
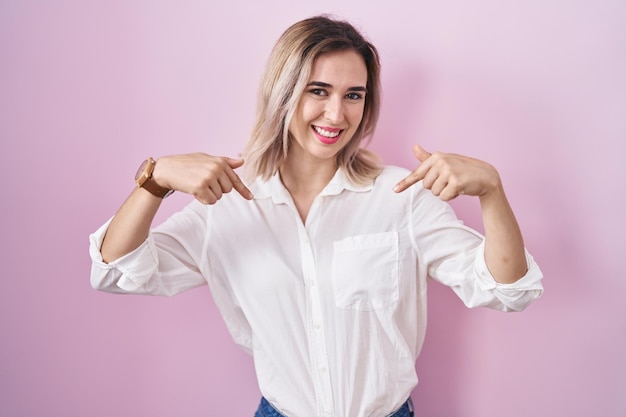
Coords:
89,89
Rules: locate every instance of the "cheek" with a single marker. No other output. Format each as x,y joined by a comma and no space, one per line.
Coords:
356,116
309,111
300,118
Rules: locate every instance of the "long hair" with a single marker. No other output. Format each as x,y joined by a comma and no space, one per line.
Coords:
286,76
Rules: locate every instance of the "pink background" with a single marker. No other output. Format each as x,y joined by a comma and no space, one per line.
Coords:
88,89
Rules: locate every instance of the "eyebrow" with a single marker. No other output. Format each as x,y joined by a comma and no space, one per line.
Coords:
326,85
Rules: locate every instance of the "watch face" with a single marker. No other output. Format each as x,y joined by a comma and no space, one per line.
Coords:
141,170
143,178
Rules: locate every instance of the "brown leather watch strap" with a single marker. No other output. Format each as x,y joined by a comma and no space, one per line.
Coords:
144,179
154,188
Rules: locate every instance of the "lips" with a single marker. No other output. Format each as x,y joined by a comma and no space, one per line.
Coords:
327,135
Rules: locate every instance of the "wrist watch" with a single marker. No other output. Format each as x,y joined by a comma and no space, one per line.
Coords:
143,178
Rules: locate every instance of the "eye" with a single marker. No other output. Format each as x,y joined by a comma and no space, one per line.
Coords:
354,96
318,92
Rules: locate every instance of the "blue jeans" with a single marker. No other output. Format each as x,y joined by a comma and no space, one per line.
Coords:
266,410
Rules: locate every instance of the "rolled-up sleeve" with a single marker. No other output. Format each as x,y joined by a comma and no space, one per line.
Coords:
506,297
454,255
166,263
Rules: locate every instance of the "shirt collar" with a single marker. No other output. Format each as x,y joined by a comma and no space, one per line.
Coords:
340,182
275,189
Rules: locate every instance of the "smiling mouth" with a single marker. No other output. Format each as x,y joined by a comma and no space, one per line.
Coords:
327,135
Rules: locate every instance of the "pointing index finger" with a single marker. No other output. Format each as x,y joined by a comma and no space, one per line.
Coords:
418,174
407,181
238,184
242,189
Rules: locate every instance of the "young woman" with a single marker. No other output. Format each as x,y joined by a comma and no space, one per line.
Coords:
319,265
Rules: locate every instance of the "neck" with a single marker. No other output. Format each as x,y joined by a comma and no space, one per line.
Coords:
304,177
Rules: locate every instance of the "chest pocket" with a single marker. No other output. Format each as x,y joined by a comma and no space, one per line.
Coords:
365,271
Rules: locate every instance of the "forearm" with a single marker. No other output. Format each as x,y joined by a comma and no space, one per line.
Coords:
204,176
130,225
504,245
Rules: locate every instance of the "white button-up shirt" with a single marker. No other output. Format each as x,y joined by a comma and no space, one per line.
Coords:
333,310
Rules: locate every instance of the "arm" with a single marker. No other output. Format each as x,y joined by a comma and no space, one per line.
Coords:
448,176
130,225
504,246
205,177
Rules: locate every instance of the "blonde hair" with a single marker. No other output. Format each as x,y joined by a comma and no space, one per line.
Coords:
286,75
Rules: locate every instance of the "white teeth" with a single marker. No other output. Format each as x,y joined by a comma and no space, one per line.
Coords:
326,133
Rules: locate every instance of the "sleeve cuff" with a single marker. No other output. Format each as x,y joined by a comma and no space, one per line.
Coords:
136,267
531,280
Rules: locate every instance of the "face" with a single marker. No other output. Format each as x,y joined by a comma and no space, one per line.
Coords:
331,107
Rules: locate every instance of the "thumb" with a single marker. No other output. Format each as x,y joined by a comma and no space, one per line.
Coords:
234,163
420,153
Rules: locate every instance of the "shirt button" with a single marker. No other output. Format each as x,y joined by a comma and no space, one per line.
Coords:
317,326
323,369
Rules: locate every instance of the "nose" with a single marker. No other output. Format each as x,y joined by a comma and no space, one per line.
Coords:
333,112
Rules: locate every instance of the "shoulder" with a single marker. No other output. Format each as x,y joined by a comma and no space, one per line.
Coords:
390,175
419,197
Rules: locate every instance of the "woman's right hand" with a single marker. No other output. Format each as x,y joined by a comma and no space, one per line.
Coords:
204,176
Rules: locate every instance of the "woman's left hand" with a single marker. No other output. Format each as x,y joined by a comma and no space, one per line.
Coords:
449,175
